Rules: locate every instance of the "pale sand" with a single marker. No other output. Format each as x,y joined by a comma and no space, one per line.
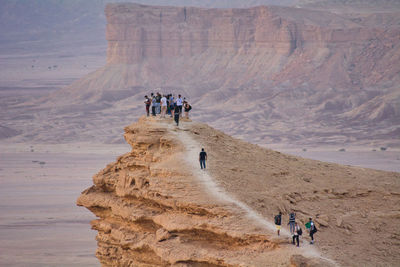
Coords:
40,224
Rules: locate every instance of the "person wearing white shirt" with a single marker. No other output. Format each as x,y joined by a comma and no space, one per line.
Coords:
163,106
179,103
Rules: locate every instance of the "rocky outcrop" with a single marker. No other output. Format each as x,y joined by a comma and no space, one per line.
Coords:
153,211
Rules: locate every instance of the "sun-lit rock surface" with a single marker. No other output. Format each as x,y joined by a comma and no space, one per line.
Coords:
155,207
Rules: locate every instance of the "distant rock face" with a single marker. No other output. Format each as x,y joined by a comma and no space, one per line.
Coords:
300,41
136,33
302,76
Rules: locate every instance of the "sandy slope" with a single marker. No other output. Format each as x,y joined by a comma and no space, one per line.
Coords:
155,193
356,208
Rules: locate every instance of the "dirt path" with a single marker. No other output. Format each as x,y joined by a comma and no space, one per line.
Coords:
218,192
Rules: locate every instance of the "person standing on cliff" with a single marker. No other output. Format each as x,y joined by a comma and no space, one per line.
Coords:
179,103
153,105
163,106
147,101
176,115
202,159
171,104
158,103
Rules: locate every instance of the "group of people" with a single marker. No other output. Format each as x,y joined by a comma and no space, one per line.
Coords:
167,105
295,229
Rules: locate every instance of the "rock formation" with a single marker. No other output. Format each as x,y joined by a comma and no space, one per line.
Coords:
304,76
155,207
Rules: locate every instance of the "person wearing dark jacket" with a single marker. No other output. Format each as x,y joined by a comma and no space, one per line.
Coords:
278,222
202,159
176,115
312,228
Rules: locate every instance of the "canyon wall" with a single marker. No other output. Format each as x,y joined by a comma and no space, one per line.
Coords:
138,33
302,76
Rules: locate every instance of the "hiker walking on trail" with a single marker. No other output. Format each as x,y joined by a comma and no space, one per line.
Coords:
147,101
292,221
278,222
312,228
297,233
176,115
202,159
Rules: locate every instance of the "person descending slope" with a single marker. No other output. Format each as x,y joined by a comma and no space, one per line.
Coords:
278,222
312,228
292,220
297,233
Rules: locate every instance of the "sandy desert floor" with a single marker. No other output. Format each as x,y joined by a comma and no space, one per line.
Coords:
379,160
40,224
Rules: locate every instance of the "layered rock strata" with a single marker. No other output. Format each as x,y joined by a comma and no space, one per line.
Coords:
153,211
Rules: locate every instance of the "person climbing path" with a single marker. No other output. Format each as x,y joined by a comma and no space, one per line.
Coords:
310,225
292,221
297,232
202,159
278,222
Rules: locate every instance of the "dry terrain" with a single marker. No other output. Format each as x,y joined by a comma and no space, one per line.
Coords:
309,81
156,207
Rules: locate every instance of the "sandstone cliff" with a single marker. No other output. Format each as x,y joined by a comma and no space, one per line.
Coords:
303,76
155,207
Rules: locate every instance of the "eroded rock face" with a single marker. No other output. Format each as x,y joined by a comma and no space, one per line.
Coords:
302,76
154,206
297,41
152,212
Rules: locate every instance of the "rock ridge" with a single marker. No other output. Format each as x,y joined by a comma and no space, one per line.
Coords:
155,209
152,211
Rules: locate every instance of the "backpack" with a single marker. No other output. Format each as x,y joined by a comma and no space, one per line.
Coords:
299,232
277,220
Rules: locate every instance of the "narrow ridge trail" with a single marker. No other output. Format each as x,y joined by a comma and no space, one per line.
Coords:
216,191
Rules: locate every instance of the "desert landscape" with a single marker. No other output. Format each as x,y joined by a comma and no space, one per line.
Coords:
311,79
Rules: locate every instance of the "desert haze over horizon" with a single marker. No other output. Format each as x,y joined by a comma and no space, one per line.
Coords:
314,79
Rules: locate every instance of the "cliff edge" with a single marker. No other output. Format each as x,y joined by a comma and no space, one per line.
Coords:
155,207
